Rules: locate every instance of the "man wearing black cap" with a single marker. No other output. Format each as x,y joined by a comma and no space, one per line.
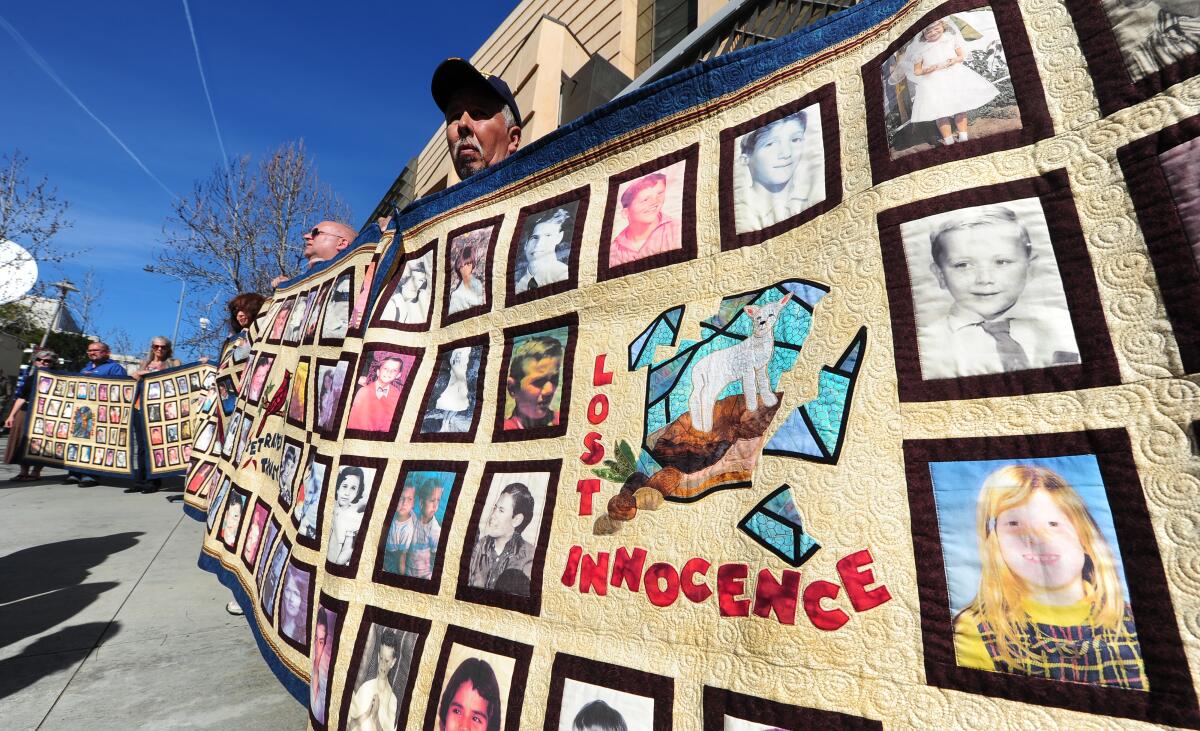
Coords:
482,119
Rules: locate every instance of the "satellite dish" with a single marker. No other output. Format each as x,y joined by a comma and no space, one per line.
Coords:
18,272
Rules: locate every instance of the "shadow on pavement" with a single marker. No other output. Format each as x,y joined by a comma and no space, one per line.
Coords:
46,656
43,586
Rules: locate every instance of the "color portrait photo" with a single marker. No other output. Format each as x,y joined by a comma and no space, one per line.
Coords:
533,383
1033,570
328,386
475,691
779,170
987,292
294,604
468,271
412,546
1154,34
948,85
649,216
382,381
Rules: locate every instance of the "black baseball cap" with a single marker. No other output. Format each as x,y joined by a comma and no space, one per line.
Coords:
456,73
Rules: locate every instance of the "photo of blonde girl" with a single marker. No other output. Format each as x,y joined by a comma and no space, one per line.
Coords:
1049,596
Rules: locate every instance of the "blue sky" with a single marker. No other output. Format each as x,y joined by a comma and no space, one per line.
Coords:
351,79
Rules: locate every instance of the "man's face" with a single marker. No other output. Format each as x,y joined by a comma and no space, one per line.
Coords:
647,204
774,158
536,389
97,353
320,643
984,268
388,370
502,522
476,132
325,245
468,710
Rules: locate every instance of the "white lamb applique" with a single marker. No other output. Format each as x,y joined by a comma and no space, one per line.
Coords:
747,360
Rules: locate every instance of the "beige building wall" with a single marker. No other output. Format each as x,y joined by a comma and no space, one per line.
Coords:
539,43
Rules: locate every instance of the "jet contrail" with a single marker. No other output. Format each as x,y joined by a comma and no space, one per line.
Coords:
204,83
44,66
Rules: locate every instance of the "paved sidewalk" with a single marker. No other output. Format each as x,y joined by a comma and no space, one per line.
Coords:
107,623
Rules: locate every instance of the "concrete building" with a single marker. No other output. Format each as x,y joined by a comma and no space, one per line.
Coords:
563,58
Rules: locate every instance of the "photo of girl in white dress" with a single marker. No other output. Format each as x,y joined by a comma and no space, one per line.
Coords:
409,304
950,77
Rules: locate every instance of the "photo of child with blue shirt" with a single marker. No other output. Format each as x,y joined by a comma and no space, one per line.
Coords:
987,292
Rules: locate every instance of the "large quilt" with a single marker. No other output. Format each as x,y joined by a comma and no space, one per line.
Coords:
847,381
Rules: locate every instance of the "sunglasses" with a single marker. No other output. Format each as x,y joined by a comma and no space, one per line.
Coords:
43,360
317,232
158,347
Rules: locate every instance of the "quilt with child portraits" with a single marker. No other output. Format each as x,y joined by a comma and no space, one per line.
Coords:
887,421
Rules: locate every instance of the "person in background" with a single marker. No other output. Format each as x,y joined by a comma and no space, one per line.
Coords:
243,309
20,409
322,243
99,364
160,358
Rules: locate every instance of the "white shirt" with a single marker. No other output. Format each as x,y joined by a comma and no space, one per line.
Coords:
385,714
955,345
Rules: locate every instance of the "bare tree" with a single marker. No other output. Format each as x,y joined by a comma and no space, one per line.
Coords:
87,303
242,227
30,213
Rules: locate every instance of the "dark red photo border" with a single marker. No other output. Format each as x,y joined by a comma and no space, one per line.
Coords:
1099,364
320,333
194,480
289,303
286,546
248,517
379,464
299,445
339,609
389,435
233,549
373,615
1114,84
566,376
581,195
826,96
520,652
390,289
301,297
659,688
718,702
449,319
308,618
301,539
444,350
687,226
1171,699
1170,251
314,378
1023,70
287,406
313,320
433,584
532,604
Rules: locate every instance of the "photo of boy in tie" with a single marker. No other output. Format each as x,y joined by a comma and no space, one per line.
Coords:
1008,311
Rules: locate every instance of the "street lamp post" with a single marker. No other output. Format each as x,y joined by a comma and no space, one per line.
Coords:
182,289
64,287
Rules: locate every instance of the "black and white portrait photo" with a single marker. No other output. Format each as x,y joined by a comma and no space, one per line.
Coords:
452,405
502,554
588,707
987,293
1154,34
545,248
779,170
351,493
337,309
410,301
382,679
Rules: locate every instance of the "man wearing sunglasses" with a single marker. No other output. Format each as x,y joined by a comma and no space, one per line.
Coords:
99,364
482,119
322,243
